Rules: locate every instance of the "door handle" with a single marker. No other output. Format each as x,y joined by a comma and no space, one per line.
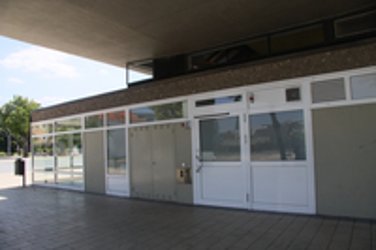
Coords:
200,165
199,168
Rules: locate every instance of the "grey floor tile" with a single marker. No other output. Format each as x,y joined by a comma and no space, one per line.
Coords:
40,218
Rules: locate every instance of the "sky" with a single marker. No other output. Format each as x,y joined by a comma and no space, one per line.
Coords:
50,77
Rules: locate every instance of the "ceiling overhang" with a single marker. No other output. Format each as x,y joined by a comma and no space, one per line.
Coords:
120,31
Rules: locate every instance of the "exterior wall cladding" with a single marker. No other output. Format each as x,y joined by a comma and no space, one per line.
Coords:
339,191
327,60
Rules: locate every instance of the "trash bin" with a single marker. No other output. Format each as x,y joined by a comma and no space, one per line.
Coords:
19,167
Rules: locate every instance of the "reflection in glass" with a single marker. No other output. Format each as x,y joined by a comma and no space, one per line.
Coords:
42,146
231,54
277,136
43,153
363,86
44,177
300,38
140,71
69,159
41,129
159,112
94,121
116,159
292,94
115,118
62,148
73,180
219,100
356,24
68,125
219,139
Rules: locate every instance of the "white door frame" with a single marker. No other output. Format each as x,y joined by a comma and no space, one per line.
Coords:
273,105
212,112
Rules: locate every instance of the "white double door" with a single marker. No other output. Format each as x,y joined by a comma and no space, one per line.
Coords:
221,171
274,174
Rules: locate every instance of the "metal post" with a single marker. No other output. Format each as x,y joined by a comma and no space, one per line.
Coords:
9,144
24,176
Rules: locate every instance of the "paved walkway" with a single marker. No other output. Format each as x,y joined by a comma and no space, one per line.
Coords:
41,218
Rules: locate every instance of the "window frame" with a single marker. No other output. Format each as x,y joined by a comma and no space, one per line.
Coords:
304,126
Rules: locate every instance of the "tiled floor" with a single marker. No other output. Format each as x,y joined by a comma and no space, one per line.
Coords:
39,218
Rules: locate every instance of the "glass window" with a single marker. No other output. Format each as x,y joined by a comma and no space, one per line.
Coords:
357,24
235,53
292,94
72,180
168,111
94,121
328,90
257,48
219,100
68,149
40,129
363,86
116,160
42,146
140,71
219,139
68,125
297,39
44,177
277,136
43,154
115,118
76,152
62,148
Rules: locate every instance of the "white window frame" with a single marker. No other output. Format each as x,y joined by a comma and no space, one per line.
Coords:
304,83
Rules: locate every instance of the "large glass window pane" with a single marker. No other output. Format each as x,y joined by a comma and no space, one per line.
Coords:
43,154
363,86
277,136
62,147
297,39
69,159
231,54
41,129
94,121
73,180
219,139
115,118
42,177
77,156
116,159
68,125
159,112
356,24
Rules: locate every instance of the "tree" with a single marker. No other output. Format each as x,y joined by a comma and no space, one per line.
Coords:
15,120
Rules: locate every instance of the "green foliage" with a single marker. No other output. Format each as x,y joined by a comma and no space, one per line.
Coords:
15,119
168,111
2,154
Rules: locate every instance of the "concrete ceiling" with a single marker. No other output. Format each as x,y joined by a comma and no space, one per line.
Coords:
119,31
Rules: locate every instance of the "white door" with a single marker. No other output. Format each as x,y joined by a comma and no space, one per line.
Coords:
220,168
282,174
